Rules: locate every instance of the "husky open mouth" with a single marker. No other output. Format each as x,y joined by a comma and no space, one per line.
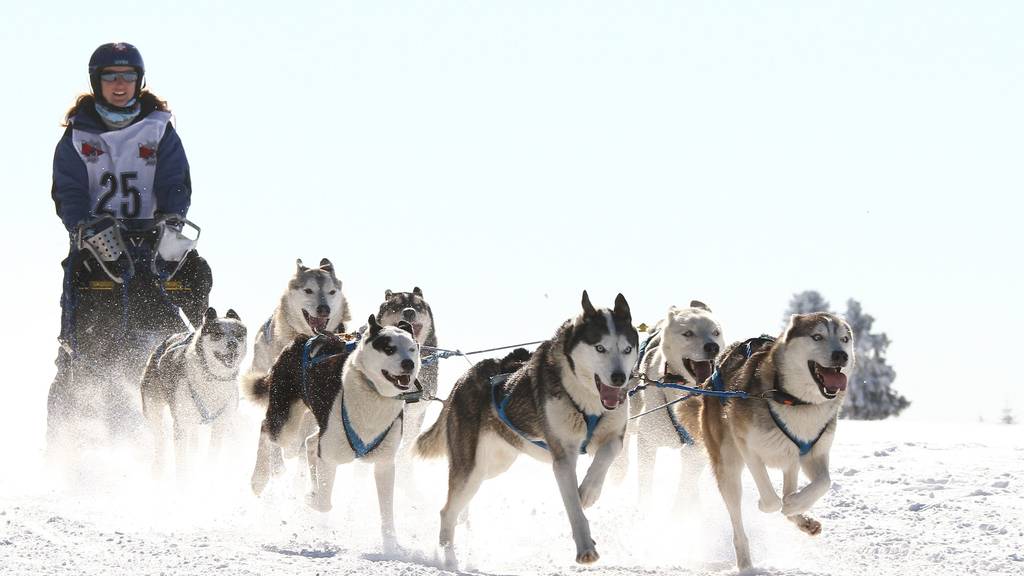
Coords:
402,382
611,396
700,369
316,323
831,381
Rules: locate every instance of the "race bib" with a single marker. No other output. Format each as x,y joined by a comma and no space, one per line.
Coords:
121,166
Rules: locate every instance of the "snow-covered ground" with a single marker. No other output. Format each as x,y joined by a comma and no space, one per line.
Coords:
907,498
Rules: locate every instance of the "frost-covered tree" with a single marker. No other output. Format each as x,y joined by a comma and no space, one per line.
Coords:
870,395
806,302
1008,416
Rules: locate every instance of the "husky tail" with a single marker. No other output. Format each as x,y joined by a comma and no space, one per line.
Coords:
256,388
434,442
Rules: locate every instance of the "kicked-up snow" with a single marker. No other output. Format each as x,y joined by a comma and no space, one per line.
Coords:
907,498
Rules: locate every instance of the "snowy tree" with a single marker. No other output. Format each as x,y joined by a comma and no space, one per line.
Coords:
806,302
870,395
1008,416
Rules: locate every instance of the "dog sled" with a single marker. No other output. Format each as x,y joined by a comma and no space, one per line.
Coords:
130,283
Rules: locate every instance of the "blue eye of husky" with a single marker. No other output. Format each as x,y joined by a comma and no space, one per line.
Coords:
845,339
817,337
627,350
600,348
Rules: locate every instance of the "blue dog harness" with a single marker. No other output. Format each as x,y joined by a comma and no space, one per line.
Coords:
358,446
500,400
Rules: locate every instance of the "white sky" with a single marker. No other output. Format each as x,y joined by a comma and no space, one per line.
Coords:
505,156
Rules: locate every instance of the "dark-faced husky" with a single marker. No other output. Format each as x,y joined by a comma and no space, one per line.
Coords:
803,375
681,350
313,302
195,376
412,308
563,402
357,395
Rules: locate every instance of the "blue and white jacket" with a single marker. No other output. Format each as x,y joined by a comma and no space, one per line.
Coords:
132,173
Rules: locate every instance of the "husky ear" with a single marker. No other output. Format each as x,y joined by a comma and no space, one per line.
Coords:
416,290
403,325
210,316
622,309
388,294
375,327
298,264
588,308
699,304
326,265
232,314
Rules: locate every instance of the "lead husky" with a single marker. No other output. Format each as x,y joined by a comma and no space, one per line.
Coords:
803,373
356,396
412,308
681,349
560,403
195,376
313,302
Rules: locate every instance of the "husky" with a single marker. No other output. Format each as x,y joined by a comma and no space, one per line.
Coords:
357,395
412,308
561,403
798,382
313,302
681,349
194,375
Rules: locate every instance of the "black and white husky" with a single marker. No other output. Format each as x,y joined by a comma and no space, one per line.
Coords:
357,394
681,349
563,402
313,302
194,375
798,382
412,308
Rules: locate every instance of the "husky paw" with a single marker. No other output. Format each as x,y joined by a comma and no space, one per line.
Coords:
806,524
318,504
793,504
589,493
587,556
770,504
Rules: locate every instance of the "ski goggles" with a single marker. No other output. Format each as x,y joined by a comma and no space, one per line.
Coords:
129,76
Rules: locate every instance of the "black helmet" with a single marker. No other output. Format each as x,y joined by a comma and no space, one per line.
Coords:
115,54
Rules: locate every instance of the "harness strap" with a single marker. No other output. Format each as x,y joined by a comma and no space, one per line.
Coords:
500,402
265,331
684,436
308,361
361,448
803,445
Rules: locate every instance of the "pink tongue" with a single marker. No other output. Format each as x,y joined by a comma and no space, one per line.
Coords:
834,381
702,370
610,396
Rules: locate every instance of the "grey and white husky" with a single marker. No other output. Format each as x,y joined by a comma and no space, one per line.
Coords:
803,376
681,349
563,402
356,394
194,375
412,308
313,302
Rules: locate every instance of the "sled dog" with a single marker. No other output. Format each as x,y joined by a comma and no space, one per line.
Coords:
563,402
194,376
802,374
313,302
681,348
412,308
356,395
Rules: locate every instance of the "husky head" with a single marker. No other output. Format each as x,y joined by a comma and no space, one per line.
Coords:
314,300
690,340
222,341
816,356
389,356
411,307
601,346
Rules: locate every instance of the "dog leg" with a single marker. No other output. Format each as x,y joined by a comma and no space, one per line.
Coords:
154,412
815,467
321,477
728,474
691,465
646,457
461,490
565,475
590,489
769,500
181,450
384,474
265,452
